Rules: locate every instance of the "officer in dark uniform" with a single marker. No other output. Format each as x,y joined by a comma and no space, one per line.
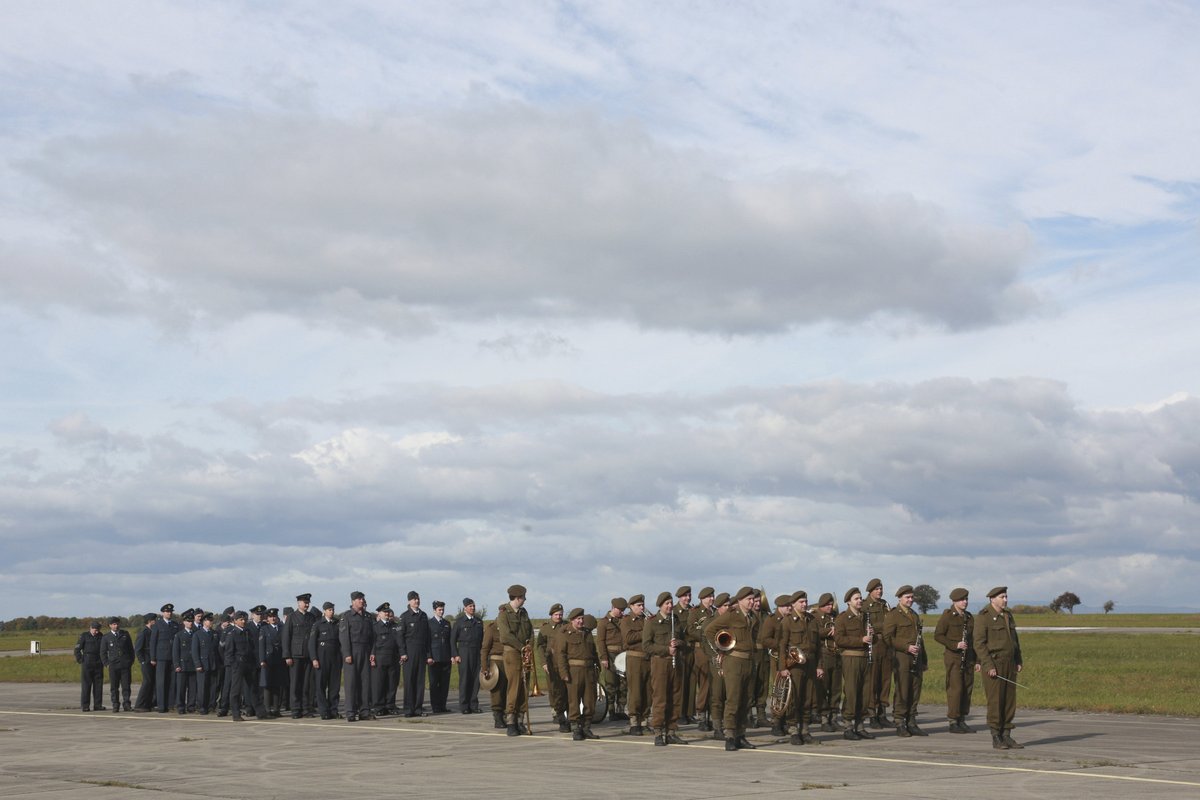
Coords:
241,667
270,661
412,631
162,637
222,681
295,654
385,662
439,650
254,631
325,656
356,637
91,668
141,651
204,654
466,643
185,666
116,653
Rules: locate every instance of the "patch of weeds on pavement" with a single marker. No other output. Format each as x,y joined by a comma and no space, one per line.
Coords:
121,785
806,785
191,739
1098,762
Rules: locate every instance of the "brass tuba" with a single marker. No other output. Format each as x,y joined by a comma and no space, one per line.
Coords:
794,657
723,642
781,696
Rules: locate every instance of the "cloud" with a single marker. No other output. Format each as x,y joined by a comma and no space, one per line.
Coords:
508,211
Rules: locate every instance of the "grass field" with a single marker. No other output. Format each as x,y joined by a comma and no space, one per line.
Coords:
51,640
1092,620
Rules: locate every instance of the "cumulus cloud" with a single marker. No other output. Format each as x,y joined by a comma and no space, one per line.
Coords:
510,211
988,481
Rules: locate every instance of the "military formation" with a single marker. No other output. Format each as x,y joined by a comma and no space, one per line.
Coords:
725,664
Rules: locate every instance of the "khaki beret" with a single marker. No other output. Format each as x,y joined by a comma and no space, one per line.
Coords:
637,598
575,612
998,590
516,590
742,593
707,591
620,602
874,584
959,594
662,598
799,595
853,590
783,600
682,590
826,599
589,622
557,607
721,599
903,590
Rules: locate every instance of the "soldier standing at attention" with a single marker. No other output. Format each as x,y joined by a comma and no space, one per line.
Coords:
716,685
954,631
828,688
439,650
902,637
141,651
325,655
91,669
800,632
762,661
857,648
769,632
515,631
295,655
385,662
412,629
696,618
637,670
185,666
356,637
162,635
666,671
116,653
609,644
493,650
204,654
270,661
466,641
880,686
683,612
737,665
545,646
999,653
241,667
575,657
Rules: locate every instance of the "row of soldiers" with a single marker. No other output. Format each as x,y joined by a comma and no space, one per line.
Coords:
712,664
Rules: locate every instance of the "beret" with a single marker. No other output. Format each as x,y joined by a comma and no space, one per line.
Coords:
998,590
516,590
620,602
357,596
682,590
589,622
468,602
799,594
557,607
958,594
743,593
575,612
874,584
149,616
168,607
241,615
707,591
637,598
663,597
903,590
826,599
783,600
327,604
306,597
227,612
721,599
853,590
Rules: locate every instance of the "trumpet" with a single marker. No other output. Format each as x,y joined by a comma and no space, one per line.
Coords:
723,642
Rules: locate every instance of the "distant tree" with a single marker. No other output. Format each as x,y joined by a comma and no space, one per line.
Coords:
1067,600
925,597
1109,605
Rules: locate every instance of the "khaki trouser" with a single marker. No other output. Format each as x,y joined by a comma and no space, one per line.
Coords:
555,688
637,676
739,688
762,678
803,679
960,682
515,702
855,685
716,695
581,693
1001,695
828,689
908,686
685,657
667,688
881,679
700,677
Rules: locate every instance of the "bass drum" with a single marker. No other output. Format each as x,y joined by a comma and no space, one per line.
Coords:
618,663
601,711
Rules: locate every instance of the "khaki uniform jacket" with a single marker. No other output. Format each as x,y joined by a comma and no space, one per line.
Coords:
545,639
900,628
631,632
513,627
698,618
996,636
573,645
848,631
802,631
951,629
492,646
825,624
878,610
743,627
608,637
772,625
656,636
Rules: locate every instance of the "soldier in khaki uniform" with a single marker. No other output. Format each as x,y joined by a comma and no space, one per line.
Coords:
857,648
902,637
682,611
575,658
827,703
696,619
493,659
515,632
737,665
801,634
716,685
999,653
762,661
662,642
609,644
545,646
880,686
955,631
637,670
771,628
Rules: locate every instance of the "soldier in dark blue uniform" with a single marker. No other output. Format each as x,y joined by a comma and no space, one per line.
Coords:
185,666
162,638
295,654
270,661
385,662
204,654
241,667
325,656
356,636
220,699
91,669
116,653
466,643
439,649
415,655
254,629
141,652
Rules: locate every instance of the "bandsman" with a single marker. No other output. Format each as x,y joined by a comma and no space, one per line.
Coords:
875,609
740,625
557,692
270,662
492,651
682,611
999,653
637,670
325,657
416,654
573,651
857,648
296,630
385,662
609,644
204,654
761,677
902,637
828,689
955,632
698,617
662,643
515,631
241,667
716,686
772,626
799,655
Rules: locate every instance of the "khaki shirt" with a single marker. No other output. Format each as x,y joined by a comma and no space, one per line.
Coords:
825,625
953,628
698,618
770,630
901,628
996,636
491,642
743,627
572,645
513,627
848,631
631,632
656,636
803,632
608,637
546,636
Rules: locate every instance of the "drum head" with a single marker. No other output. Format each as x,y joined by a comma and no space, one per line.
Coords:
619,664
489,679
601,704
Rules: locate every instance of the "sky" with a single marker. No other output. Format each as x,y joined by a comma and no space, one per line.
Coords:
601,298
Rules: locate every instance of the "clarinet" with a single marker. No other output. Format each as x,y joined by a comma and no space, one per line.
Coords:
962,658
871,640
915,667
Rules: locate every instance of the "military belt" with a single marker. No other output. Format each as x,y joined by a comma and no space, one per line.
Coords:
738,654
854,652
634,654
495,658
578,662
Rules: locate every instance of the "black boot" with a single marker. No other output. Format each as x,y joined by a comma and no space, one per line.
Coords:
796,738
863,733
513,729
884,720
805,736
914,729
674,738
963,727
827,724
851,734
902,730
498,719
705,724
760,718
998,741
777,728
744,744
954,727
876,722
731,745
718,733
587,731
1012,743
577,734
660,740
564,726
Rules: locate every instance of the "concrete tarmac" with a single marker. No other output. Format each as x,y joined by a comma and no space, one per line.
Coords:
51,750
